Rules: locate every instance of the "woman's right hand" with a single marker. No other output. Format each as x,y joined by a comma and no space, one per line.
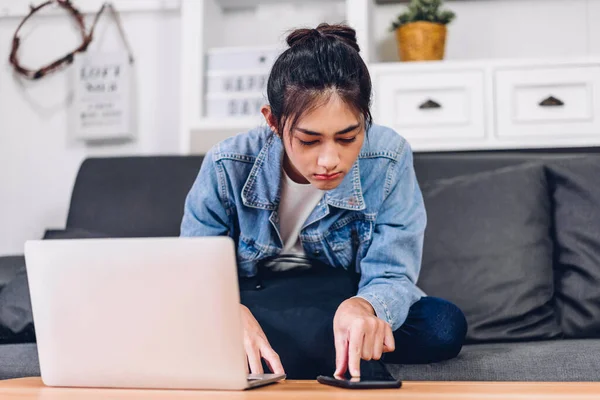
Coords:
257,346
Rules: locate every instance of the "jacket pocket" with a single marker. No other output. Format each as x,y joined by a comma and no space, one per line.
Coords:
248,250
347,240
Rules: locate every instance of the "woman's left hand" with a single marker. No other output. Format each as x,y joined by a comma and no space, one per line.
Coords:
359,334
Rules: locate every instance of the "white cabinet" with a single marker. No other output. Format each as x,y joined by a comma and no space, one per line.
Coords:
548,101
429,106
490,104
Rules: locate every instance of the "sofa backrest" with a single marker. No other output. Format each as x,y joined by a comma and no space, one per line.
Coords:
132,196
431,166
144,196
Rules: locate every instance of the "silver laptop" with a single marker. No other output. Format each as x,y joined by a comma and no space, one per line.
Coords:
139,313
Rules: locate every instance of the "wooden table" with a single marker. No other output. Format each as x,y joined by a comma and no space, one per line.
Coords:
33,388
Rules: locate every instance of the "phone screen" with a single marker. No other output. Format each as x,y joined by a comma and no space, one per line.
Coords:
382,378
378,373
378,378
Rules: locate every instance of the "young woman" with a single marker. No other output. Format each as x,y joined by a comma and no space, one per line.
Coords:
328,220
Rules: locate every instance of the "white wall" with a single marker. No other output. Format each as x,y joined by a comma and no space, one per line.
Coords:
38,161
593,16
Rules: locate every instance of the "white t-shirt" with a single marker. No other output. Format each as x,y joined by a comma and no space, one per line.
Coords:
297,201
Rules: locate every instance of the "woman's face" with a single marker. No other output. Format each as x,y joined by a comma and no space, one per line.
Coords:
324,145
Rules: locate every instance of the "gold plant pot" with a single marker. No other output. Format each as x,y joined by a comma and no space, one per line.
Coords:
421,41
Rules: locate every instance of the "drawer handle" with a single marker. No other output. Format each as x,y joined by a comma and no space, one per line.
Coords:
552,102
429,105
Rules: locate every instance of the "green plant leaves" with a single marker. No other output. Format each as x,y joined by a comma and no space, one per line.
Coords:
424,10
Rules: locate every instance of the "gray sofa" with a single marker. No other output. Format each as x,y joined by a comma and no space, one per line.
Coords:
512,239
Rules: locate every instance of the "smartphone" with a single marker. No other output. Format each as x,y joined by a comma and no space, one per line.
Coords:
381,379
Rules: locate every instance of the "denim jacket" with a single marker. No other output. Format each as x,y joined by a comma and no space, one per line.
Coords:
372,223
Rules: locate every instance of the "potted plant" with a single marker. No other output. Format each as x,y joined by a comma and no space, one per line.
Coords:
421,30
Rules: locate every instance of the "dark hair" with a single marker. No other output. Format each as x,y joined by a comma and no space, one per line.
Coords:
319,63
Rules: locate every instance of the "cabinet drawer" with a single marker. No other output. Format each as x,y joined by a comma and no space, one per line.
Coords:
548,101
433,105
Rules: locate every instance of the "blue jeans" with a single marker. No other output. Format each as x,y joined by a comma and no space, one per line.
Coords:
295,310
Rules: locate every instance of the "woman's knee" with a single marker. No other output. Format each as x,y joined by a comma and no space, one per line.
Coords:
447,327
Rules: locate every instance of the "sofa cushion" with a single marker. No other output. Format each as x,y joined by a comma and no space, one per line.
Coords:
9,266
550,361
19,361
488,250
561,360
16,321
576,203
16,317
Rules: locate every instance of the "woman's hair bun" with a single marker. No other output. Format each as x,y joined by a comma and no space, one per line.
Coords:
339,32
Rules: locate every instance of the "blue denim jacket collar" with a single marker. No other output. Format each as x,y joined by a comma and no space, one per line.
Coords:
262,188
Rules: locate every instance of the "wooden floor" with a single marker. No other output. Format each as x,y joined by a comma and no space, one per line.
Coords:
33,388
